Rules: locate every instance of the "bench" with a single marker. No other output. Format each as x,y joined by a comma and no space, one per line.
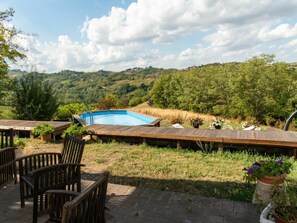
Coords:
86,207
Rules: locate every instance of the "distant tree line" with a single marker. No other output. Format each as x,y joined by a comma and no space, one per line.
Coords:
257,88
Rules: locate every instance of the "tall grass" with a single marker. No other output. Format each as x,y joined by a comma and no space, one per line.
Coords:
169,115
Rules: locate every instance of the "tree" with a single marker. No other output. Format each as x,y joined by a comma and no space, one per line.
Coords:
9,50
34,98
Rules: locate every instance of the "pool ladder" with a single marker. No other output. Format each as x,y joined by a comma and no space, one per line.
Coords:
91,117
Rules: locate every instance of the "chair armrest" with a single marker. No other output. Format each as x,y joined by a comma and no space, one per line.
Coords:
56,167
62,193
56,176
32,162
57,199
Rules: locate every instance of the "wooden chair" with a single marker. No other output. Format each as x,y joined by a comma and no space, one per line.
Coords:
6,138
7,166
85,207
45,171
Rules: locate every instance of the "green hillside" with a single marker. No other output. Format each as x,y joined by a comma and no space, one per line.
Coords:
89,87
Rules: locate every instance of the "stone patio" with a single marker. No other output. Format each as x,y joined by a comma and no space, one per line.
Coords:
138,205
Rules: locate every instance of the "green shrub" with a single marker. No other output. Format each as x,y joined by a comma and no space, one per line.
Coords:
66,111
34,98
44,129
74,130
135,101
19,143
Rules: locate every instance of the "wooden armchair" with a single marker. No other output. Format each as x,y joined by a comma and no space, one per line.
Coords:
6,138
7,165
85,207
45,171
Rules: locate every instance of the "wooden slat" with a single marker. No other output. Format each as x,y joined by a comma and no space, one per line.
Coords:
265,138
24,125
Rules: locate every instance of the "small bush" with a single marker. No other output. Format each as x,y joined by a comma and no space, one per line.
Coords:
106,104
19,143
44,129
74,130
66,111
123,103
135,101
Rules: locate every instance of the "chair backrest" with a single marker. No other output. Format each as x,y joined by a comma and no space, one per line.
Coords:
6,138
73,149
7,165
88,207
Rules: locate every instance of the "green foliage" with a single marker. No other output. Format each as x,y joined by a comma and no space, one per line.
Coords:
256,88
66,111
9,50
285,203
268,167
74,130
123,103
136,101
43,129
34,99
19,143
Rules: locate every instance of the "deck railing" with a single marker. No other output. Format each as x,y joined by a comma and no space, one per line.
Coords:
6,138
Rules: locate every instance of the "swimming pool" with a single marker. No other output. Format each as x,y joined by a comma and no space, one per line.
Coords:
117,117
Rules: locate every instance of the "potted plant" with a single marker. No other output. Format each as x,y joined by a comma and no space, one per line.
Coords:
283,208
218,123
43,131
75,130
267,173
196,122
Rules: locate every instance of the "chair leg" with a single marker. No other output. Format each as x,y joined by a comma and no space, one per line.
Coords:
22,194
35,208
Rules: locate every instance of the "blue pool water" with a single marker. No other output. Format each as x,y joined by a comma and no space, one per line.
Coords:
116,117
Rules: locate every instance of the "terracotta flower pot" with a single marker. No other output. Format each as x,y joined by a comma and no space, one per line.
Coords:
279,219
47,137
264,188
273,180
290,218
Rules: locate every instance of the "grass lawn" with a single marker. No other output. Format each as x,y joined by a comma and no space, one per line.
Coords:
217,174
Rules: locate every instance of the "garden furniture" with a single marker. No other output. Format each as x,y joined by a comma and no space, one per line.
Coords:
7,165
45,171
85,207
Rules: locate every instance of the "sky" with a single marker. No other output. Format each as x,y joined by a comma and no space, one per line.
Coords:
91,35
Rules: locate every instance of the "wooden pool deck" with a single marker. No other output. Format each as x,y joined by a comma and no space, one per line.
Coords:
276,138
27,126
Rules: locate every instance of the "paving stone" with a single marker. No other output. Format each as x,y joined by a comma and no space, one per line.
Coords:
138,205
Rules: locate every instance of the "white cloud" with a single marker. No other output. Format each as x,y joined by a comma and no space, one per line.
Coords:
280,32
166,20
229,31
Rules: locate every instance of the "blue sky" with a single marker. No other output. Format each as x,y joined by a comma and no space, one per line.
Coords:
90,35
